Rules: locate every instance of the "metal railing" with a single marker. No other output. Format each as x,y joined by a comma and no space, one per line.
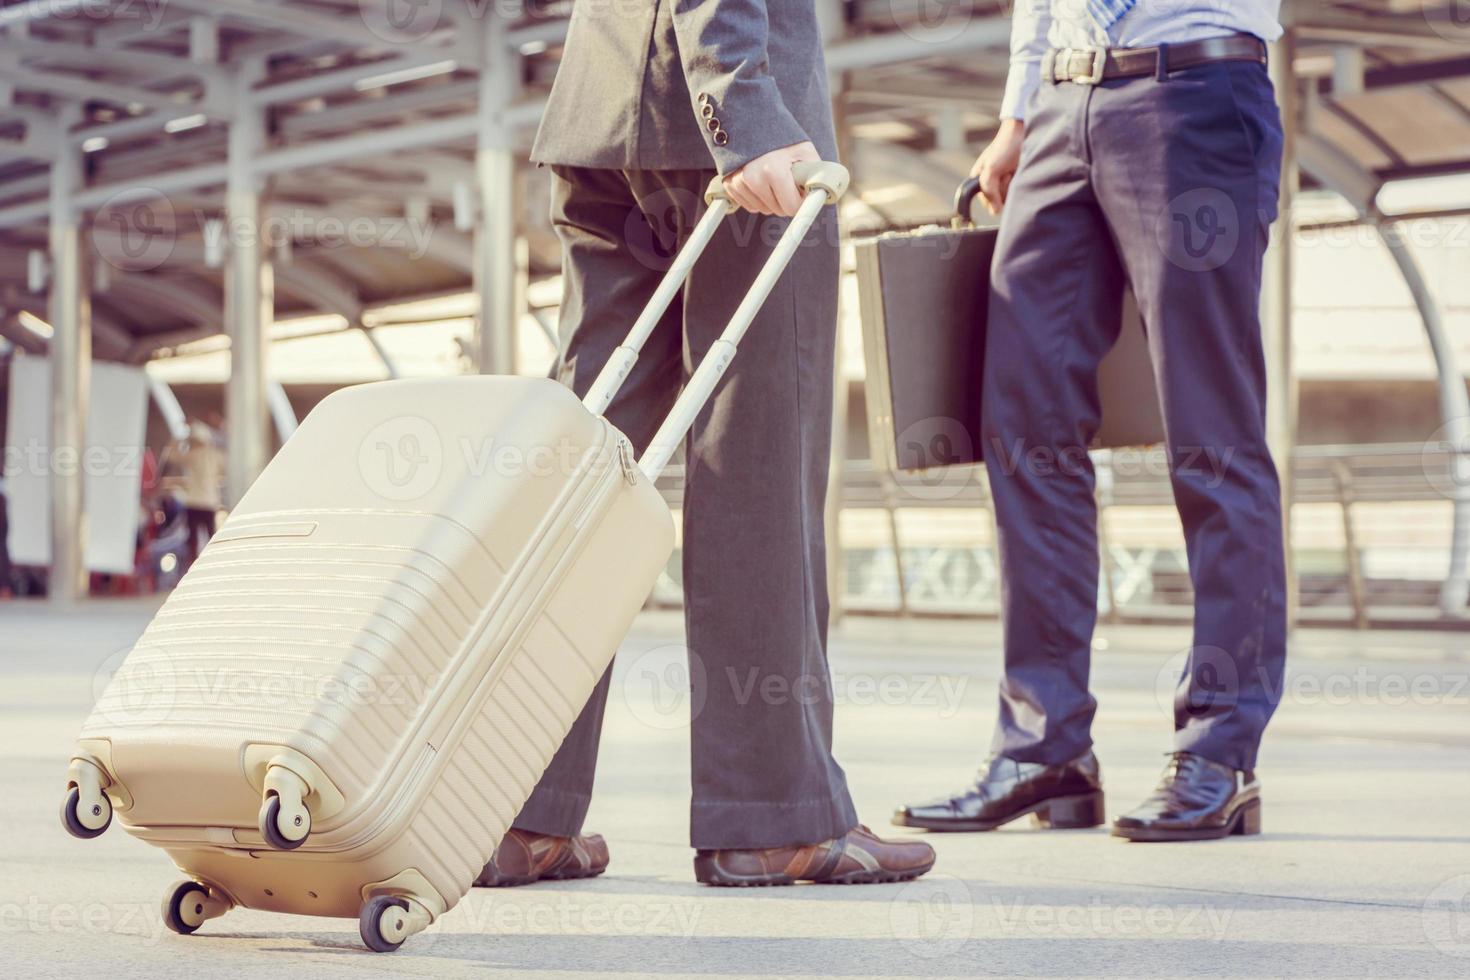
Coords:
1371,530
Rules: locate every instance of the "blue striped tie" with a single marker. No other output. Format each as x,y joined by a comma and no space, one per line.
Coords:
1106,13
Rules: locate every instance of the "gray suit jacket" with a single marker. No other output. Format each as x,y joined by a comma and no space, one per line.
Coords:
686,84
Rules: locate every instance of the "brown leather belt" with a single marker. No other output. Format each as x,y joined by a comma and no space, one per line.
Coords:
1089,66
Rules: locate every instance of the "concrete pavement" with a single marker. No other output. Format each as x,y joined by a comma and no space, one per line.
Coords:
1364,869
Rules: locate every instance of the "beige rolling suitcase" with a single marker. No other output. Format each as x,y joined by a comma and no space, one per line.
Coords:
354,690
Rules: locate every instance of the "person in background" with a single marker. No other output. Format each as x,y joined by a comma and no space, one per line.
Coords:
201,464
1139,142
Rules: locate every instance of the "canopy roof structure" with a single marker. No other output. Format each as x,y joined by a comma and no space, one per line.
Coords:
372,124
171,172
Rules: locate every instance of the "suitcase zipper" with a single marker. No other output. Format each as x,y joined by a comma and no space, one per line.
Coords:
600,489
629,464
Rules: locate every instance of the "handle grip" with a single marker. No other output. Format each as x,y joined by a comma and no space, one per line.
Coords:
964,199
810,174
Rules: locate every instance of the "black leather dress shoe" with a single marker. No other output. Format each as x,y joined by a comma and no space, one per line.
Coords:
1196,800
1064,796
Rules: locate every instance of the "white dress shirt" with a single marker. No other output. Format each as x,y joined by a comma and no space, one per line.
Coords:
1042,24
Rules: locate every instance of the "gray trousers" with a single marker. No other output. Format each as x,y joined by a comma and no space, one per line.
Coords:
754,565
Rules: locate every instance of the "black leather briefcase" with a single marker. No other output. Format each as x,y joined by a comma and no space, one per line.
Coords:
923,298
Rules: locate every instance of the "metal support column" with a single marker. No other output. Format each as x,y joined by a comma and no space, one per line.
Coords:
495,177
283,413
249,297
71,374
1281,405
949,129
1105,480
836,477
376,343
1342,476
1454,410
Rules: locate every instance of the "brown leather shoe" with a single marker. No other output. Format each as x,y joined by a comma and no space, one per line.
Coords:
858,857
524,857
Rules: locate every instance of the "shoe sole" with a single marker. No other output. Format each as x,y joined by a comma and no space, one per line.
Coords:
721,879
708,874
516,882
1245,822
572,875
1080,812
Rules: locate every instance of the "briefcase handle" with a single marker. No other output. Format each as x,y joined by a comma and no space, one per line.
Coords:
964,201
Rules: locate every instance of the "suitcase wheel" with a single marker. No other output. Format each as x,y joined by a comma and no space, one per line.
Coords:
86,818
386,921
284,828
189,904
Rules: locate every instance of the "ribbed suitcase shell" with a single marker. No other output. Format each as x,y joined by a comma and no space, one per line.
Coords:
419,594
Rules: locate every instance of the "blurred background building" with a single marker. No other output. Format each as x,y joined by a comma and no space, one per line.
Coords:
214,212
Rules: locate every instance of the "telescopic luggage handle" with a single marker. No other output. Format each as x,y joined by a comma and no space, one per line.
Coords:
824,182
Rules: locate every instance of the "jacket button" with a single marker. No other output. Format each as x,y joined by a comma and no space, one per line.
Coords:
707,110
713,125
720,138
704,98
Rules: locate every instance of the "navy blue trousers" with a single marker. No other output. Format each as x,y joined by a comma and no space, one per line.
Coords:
1170,185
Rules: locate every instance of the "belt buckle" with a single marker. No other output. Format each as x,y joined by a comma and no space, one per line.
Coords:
1049,64
1099,66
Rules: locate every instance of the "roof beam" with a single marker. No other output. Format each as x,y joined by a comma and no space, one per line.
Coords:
84,89
22,14
148,124
22,337
371,144
376,110
291,18
445,245
38,143
1336,170
15,215
19,151
347,76
113,342
34,183
158,18
919,43
1418,73
184,298
321,289
158,67
1410,31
